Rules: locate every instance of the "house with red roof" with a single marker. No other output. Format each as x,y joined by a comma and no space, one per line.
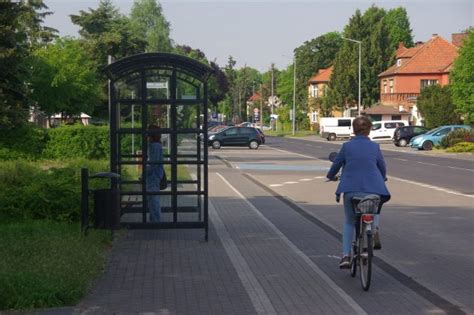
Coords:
415,68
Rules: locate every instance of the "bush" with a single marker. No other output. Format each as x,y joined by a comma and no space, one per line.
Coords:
462,147
27,142
457,136
90,142
46,190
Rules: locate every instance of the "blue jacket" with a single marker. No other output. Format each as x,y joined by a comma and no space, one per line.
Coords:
363,168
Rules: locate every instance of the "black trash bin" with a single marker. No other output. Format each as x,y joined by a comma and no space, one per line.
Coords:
106,209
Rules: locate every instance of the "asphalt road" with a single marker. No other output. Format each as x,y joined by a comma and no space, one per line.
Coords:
444,172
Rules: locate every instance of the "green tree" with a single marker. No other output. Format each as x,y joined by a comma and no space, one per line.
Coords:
399,30
315,54
21,30
462,80
107,32
380,32
436,106
149,23
64,79
13,53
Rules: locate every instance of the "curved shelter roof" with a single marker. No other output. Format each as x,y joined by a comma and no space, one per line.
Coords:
131,64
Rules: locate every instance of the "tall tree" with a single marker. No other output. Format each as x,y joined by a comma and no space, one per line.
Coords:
13,53
21,31
313,55
107,32
462,80
148,22
64,79
380,32
399,30
436,106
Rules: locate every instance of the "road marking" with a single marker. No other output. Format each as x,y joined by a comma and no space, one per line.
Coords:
426,163
452,192
460,168
319,177
308,145
356,307
290,183
259,298
276,185
405,160
305,179
448,191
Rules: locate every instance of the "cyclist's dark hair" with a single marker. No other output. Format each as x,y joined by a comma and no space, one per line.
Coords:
362,126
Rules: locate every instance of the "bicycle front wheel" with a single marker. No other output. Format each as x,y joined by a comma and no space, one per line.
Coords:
365,258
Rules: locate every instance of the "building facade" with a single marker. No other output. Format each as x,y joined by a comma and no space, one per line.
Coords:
415,68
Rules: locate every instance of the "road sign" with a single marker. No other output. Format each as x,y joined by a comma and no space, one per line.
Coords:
157,85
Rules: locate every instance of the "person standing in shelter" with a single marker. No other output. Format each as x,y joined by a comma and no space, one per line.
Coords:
154,172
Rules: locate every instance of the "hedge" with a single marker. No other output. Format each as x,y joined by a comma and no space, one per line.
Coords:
90,142
43,190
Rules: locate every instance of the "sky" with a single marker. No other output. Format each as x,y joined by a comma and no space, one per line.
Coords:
259,32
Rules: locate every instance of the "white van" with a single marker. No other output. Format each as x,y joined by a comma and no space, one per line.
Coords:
332,128
384,130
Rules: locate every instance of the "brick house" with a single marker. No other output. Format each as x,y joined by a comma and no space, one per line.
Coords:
415,68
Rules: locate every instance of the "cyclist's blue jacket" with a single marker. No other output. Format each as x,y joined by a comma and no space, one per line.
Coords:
363,168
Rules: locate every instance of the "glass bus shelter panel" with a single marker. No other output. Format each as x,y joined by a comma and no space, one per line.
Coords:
189,208
159,115
188,116
129,115
188,147
187,88
128,88
158,84
130,147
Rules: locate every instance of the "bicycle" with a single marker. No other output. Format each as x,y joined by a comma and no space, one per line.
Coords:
365,208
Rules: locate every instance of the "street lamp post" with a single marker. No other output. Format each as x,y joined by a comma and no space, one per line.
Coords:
360,53
294,93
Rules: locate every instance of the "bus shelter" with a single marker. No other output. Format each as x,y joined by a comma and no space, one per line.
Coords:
167,91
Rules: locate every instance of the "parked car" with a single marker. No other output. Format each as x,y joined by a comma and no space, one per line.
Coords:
384,130
236,136
433,137
332,128
403,135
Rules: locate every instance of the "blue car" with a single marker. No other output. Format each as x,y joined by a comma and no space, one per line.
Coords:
433,137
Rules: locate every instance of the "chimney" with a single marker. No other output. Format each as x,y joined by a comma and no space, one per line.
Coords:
434,35
401,45
457,39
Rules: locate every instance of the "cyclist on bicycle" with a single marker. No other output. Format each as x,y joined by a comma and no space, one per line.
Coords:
363,173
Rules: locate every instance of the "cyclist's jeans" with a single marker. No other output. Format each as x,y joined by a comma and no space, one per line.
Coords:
348,229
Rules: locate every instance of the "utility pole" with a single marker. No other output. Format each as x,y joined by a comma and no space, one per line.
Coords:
360,57
261,107
294,93
272,91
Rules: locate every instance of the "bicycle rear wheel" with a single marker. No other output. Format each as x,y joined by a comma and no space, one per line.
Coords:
354,260
365,258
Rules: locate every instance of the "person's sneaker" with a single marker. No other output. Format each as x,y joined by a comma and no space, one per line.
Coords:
345,262
377,244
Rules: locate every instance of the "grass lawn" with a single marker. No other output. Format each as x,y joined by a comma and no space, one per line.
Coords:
301,133
47,264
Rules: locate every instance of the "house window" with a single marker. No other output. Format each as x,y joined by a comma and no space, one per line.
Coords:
425,83
396,117
399,62
314,91
314,117
391,86
385,86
